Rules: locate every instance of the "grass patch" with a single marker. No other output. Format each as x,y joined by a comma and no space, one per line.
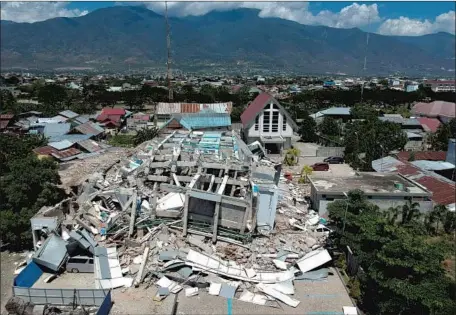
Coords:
125,141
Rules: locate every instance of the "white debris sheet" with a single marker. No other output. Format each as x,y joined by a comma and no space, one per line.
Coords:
108,272
172,286
313,260
201,261
269,290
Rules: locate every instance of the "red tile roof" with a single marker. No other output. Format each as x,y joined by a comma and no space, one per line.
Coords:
113,111
254,108
435,109
430,123
443,192
113,118
424,155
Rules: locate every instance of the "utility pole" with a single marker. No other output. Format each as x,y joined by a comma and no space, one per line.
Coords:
168,64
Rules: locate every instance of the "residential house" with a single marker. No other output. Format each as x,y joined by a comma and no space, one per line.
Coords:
112,118
6,120
343,113
139,121
411,86
440,85
442,188
89,128
382,189
442,110
413,129
265,120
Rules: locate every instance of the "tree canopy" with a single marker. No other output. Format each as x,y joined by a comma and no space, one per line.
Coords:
374,139
26,184
402,272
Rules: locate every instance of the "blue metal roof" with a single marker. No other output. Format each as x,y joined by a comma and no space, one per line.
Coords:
53,130
61,145
202,121
433,165
69,114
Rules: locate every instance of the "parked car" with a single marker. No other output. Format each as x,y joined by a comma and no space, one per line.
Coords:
324,230
80,264
320,167
334,160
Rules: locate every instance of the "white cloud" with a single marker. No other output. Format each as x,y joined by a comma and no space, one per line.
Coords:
354,15
410,27
36,11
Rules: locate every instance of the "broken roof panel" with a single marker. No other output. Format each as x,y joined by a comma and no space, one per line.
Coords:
89,128
70,137
64,154
69,114
91,146
46,150
61,145
52,254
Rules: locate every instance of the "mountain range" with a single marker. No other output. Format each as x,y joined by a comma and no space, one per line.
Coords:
119,36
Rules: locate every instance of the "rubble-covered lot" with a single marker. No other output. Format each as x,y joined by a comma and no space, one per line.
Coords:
192,214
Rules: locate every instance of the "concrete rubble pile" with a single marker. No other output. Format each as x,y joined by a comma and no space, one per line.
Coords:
189,211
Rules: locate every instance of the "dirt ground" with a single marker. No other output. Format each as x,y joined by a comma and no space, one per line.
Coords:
7,267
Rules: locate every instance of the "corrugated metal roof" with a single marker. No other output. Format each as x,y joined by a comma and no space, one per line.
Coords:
81,119
59,118
433,165
411,122
69,114
113,111
65,153
46,150
413,135
90,145
386,164
337,111
64,144
432,124
176,108
52,130
422,155
396,120
451,154
70,137
202,121
52,253
90,128
435,109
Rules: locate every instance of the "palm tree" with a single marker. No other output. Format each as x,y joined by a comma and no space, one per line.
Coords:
392,214
439,213
429,221
410,212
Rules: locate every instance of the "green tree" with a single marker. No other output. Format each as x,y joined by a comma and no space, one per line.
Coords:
410,212
145,134
449,223
7,102
363,111
439,141
53,98
308,128
374,139
236,113
438,214
329,127
402,272
26,184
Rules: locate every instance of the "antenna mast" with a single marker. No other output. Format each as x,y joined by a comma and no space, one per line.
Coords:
365,54
168,44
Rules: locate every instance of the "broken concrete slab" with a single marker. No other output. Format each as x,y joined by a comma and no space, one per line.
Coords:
313,260
191,292
278,295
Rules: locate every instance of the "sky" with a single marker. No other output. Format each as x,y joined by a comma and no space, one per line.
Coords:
387,18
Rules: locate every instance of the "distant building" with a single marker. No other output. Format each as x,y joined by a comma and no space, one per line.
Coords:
440,85
265,120
343,113
411,86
